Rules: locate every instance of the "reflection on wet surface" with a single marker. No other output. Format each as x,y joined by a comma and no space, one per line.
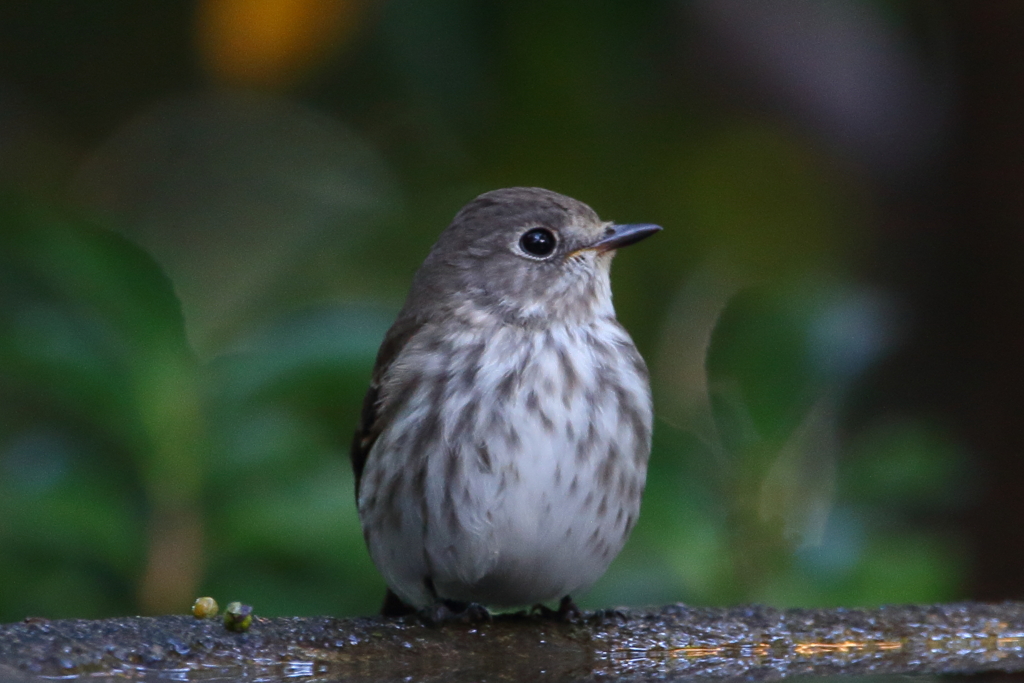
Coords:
674,642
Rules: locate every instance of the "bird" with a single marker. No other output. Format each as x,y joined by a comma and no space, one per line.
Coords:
502,449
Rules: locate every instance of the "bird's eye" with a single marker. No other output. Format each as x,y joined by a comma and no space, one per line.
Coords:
539,242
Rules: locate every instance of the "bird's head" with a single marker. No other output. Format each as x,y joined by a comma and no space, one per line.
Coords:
525,255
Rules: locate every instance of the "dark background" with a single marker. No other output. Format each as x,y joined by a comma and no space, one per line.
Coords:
210,212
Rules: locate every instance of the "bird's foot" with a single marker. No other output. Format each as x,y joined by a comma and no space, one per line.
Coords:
438,613
475,613
444,611
567,611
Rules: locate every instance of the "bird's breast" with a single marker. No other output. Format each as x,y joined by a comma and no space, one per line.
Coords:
524,450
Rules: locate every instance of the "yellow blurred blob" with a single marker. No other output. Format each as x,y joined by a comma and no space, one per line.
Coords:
270,43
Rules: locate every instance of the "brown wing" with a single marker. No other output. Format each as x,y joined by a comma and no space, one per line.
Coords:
371,423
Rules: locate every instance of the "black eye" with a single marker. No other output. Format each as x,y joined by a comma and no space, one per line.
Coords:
538,242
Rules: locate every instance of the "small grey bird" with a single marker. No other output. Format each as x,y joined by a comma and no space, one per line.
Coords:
503,445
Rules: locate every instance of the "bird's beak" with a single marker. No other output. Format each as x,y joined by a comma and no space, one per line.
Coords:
619,236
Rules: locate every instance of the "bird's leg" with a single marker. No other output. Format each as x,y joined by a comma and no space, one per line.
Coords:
567,611
444,611
436,614
475,613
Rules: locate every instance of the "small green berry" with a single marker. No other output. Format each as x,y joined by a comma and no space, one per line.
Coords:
238,617
204,608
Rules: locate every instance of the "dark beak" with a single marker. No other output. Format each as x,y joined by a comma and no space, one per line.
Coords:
619,236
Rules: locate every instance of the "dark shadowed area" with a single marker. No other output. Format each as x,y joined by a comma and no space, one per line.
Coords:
210,212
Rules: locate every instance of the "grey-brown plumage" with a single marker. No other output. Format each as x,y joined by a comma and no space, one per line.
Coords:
503,444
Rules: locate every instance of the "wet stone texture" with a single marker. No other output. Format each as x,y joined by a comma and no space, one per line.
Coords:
673,642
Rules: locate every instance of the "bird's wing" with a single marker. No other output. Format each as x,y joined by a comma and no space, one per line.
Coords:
371,421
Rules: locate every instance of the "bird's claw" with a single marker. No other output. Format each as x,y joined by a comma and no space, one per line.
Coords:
567,611
475,613
444,611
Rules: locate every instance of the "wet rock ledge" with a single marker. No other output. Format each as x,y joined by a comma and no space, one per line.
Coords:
664,643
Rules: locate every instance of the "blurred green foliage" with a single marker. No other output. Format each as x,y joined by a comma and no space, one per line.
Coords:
182,363
112,423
